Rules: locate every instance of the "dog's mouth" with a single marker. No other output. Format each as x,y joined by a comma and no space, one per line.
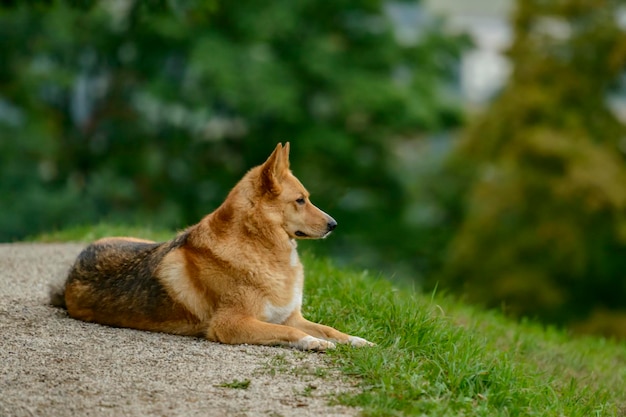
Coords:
304,235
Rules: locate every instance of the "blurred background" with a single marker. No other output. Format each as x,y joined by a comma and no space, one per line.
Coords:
477,146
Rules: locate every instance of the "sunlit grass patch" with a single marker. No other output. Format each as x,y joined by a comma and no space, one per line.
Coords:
438,357
89,233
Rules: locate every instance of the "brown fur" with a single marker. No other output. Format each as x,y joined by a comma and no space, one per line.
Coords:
234,277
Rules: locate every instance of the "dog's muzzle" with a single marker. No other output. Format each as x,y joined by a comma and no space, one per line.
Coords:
330,226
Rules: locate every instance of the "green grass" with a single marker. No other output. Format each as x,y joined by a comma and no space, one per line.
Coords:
90,233
436,356
236,384
439,357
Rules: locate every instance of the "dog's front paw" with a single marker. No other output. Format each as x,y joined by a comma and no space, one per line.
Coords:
359,342
313,343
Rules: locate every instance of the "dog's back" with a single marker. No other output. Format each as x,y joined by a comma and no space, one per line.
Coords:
113,282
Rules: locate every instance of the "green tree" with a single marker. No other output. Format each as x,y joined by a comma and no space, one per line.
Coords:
543,227
150,111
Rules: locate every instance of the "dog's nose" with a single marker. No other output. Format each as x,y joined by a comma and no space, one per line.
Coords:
331,225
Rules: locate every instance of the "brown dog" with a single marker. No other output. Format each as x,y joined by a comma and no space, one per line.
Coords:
235,277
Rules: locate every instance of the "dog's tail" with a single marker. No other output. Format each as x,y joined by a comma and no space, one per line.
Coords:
57,296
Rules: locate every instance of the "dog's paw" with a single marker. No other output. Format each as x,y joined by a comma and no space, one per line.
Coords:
313,343
359,342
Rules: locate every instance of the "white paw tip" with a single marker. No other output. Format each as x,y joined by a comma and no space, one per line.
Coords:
359,341
313,343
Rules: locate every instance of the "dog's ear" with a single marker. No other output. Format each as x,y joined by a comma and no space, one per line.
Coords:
275,168
286,157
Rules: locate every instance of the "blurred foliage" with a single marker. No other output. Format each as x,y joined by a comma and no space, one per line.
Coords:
542,227
147,112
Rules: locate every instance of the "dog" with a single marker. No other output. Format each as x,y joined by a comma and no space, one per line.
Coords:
235,277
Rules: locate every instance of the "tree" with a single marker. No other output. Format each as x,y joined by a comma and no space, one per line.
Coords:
150,111
543,226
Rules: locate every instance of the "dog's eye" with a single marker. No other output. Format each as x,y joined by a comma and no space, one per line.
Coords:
300,201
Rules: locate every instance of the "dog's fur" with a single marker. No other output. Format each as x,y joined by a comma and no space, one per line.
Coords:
235,277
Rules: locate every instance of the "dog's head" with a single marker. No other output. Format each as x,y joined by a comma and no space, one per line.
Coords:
287,201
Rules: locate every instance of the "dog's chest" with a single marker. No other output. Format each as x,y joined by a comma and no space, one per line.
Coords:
279,313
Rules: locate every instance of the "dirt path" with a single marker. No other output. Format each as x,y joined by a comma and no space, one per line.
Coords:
51,365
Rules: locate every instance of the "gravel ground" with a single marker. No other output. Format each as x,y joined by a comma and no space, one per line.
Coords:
52,365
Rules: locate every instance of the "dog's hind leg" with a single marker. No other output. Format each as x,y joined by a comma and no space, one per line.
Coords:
240,330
